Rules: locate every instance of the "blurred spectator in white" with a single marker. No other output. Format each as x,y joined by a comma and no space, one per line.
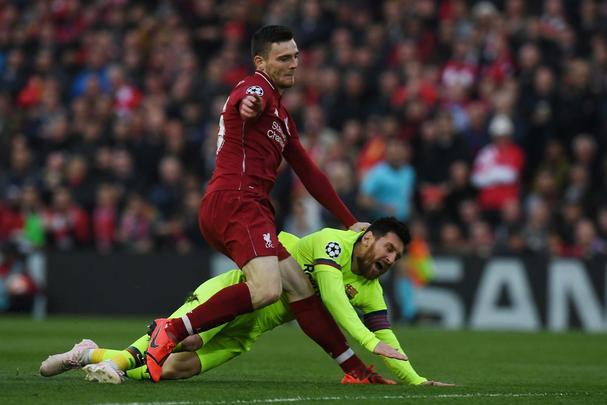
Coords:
498,168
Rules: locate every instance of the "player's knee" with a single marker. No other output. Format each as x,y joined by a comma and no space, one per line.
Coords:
191,343
269,296
180,365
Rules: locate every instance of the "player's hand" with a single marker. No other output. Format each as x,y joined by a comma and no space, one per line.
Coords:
437,384
250,106
360,226
388,351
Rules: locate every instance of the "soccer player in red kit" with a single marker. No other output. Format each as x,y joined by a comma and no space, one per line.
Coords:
237,218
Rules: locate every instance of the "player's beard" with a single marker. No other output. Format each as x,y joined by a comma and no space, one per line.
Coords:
367,264
288,81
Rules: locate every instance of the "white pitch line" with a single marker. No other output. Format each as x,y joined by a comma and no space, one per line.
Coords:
347,397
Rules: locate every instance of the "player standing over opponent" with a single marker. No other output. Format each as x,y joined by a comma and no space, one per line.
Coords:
344,266
236,216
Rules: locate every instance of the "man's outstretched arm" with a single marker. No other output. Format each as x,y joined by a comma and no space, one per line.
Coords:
330,284
403,370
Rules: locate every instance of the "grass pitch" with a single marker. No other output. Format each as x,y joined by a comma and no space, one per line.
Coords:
285,367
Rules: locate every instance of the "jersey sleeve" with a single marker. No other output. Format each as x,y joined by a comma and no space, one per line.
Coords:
331,286
330,253
252,85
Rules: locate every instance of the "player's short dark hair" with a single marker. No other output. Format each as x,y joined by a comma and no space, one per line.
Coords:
264,37
382,226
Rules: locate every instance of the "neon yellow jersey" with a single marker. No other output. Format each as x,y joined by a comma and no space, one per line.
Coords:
326,257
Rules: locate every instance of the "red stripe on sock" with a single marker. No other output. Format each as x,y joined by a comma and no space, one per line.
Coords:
221,308
317,323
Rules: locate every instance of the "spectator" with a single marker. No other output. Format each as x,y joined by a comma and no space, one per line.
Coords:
119,88
508,234
498,168
17,287
66,222
536,233
387,190
135,229
452,241
104,218
587,244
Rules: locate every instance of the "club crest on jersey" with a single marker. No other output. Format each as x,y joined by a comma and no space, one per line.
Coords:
267,238
333,249
255,90
350,291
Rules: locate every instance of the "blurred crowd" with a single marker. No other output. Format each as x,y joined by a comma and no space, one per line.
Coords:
483,124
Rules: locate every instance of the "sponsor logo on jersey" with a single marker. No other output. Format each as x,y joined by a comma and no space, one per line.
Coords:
333,249
350,291
268,239
277,134
257,90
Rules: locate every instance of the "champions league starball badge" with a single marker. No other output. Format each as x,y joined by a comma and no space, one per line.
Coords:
255,90
333,249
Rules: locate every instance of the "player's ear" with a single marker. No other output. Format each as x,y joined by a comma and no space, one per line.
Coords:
368,238
260,63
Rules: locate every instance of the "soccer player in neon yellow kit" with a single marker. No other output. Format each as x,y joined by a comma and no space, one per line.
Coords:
343,266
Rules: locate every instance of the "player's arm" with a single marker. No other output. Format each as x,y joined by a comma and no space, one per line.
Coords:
331,287
316,182
250,99
380,325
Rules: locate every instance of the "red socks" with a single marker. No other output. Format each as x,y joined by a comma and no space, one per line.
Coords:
222,307
317,323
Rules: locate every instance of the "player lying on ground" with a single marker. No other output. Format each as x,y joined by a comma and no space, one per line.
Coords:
343,266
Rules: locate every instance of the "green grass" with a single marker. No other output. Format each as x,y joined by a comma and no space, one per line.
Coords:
284,367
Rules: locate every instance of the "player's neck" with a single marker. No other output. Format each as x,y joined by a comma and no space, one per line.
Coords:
279,89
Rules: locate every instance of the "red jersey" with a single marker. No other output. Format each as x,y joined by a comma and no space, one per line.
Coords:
250,152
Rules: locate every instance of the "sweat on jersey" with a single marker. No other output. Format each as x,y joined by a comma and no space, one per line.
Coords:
250,152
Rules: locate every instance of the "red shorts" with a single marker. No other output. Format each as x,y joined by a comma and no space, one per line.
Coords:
240,225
